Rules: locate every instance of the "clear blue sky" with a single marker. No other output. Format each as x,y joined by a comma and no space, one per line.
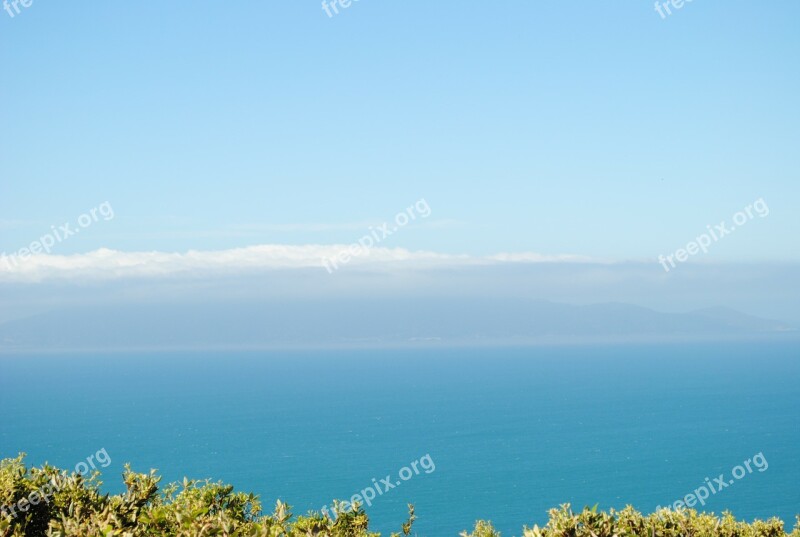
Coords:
591,128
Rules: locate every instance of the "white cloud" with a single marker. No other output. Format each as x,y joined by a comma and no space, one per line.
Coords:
113,264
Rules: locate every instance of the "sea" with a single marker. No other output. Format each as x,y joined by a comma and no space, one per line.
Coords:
495,433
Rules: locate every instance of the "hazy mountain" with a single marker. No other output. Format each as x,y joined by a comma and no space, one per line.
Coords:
369,322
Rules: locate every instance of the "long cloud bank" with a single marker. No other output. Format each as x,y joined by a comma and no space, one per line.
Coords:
113,264
270,273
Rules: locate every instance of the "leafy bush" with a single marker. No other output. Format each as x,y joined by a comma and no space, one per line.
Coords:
629,522
50,502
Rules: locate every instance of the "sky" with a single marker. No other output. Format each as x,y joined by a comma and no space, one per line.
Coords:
579,128
209,136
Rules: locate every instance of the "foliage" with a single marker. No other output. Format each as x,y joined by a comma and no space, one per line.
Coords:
74,506
629,523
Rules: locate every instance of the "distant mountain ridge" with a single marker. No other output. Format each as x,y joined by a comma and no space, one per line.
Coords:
369,322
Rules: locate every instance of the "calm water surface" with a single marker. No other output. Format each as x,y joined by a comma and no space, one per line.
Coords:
512,432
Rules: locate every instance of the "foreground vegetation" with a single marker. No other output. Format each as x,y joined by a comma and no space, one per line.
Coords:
47,501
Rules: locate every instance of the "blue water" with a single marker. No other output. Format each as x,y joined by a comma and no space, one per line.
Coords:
512,432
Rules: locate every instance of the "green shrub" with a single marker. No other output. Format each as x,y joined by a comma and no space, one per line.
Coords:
71,505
